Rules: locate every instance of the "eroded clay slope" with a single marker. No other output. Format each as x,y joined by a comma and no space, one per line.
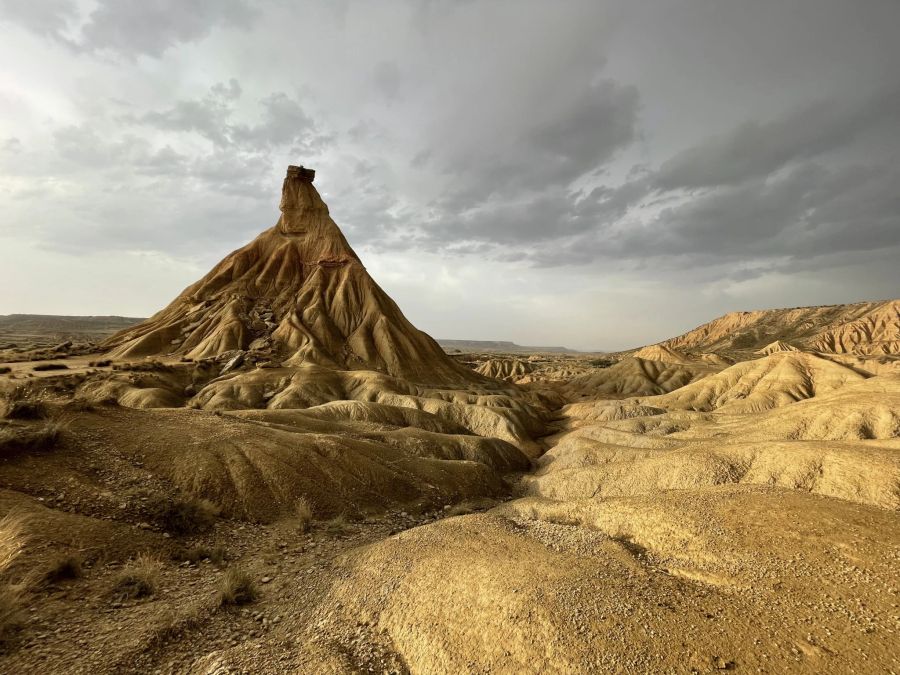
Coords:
299,293
861,328
772,381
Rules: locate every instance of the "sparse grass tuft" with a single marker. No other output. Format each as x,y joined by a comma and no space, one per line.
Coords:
80,405
18,407
50,366
185,515
237,588
303,514
64,568
12,601
337,526
15,439
138,579
12,530
12,596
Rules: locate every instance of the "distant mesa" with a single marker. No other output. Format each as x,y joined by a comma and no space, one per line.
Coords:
863,328
299,294
502,346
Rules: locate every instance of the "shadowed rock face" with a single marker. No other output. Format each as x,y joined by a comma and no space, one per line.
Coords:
299,292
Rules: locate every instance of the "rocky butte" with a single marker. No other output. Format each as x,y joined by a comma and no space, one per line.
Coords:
299,294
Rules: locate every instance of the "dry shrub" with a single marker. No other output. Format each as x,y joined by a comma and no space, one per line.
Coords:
138,579
12,596
187,515
5,369
20,408
337,525
15,439
303,514
237,588
80,405
50,366
12,529
171,624
65,567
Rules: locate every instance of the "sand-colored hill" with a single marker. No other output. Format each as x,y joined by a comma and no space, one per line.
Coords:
860,328
507,369
772,381
636,377
299,293
642,525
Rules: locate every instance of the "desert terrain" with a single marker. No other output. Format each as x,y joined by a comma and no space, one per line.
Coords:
278,472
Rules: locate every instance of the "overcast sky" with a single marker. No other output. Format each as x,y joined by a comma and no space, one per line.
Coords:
592,174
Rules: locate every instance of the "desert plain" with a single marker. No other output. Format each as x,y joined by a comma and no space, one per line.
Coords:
278,472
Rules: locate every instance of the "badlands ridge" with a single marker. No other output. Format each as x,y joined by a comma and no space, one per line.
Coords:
725,500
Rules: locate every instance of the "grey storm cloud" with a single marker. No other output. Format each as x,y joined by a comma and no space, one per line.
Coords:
720,143
759,148
128,27
585,136
283,121
49,18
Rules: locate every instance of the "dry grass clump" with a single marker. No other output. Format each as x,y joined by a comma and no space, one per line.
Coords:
50,366
303,514
20,406
146,366
12,527
237,588
12,596
65,567
338,525
5,370
15,439
100,364
80,405
138,579
187,515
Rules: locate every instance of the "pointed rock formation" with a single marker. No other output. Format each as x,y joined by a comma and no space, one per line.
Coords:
776,347
298,293
660,352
